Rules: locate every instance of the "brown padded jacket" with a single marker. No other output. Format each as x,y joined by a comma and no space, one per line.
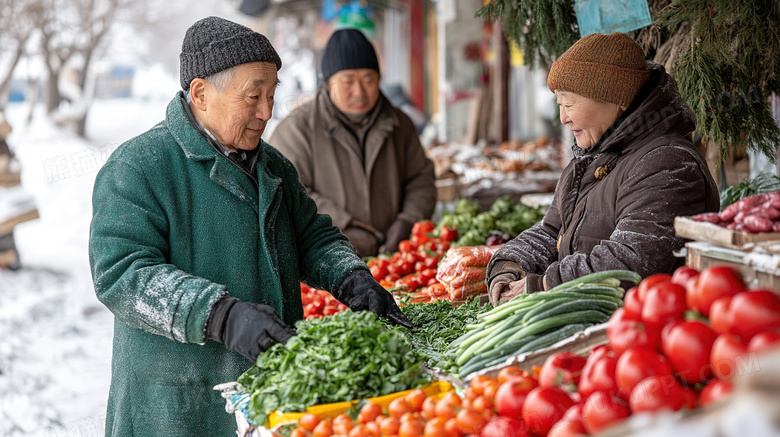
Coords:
624,220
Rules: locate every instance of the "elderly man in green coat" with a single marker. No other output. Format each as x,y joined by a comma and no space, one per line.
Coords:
200,235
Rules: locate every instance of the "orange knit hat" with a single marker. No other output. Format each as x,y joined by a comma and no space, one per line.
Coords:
609,68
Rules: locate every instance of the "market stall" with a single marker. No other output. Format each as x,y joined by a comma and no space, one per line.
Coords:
678,354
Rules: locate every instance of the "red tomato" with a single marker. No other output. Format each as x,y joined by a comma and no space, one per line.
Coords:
636,364
448,233
713,283
570,425
599,372
510,397
625,331
754,312
650,282
688,346
378,272
729,357
764,340
510,372
501,426
405,246
691,398
601,410
561,368
543,407
714,391
657,393
720,315
632,304
664,303
684,274
423,228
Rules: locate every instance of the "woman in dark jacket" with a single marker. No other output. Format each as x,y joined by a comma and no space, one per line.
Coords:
634,169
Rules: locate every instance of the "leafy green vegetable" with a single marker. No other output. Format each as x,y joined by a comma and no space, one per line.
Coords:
339,358
763,183
437,324
475,227
466,207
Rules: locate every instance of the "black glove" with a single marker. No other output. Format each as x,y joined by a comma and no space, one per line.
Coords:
360,292
245,327
398,231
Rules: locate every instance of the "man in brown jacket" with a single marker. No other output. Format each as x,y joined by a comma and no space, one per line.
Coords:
359,157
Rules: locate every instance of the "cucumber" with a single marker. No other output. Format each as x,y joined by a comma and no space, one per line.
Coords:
552,303
572,306
597,289
551,338
510,327
609,282
507,349
479,365
584,316
623,275
470,347
498,315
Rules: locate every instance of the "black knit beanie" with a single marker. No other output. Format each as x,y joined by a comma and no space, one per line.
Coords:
348,49
214,44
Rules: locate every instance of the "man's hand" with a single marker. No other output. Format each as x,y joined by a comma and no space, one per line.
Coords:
245,327
360,292
398,231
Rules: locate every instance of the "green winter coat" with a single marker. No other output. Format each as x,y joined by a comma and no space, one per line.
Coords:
176,226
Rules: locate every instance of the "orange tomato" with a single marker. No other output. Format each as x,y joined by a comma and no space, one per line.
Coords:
470,394
299,432
448,405
478,383
389,426
359,431
411,416
451,427
470,421
509,372
323,429
309,421
414,428
373,429
429,408
342,424
482,404
398,407
369,412
490,391
415,399
435,428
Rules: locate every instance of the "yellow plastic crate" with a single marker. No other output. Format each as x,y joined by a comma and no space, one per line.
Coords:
436,390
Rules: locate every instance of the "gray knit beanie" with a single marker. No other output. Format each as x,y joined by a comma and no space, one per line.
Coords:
214,44
348,49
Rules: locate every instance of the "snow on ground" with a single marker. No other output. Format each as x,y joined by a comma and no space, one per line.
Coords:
55,336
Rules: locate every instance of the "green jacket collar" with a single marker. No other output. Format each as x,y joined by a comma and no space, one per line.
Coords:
223,172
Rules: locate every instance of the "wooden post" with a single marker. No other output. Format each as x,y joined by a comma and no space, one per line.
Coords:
500,81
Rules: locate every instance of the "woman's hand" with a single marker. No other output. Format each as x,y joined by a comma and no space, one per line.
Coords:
515,289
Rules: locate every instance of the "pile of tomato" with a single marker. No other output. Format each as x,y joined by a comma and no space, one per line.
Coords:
511,405
663,353
413,266
318,303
